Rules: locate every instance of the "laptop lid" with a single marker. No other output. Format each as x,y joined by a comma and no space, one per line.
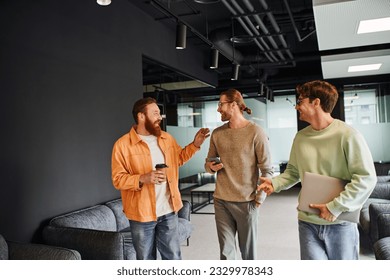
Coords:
321,189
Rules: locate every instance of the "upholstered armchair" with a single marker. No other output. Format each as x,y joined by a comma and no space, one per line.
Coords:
382,246
31,251
378,202
376,210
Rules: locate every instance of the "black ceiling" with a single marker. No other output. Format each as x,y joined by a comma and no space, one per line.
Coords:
282,49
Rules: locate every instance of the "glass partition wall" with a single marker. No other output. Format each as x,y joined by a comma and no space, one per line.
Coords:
278,119
366,108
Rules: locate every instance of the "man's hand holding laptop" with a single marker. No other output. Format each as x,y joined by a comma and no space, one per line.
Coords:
324,212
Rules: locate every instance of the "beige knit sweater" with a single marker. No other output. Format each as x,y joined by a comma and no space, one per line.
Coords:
244,153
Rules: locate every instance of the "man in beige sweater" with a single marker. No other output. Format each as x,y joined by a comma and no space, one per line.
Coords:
244,152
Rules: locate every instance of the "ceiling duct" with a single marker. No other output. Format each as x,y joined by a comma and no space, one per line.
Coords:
268,48
207,1
221,38
236,11
271,18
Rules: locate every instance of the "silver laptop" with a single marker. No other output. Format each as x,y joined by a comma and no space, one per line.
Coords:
320,189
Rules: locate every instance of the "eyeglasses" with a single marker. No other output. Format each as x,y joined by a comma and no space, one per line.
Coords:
220,103
299,100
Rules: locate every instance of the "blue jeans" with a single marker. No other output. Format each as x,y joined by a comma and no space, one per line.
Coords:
329,242
162,234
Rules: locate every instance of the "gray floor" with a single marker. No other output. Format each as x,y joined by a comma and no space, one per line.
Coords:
278,231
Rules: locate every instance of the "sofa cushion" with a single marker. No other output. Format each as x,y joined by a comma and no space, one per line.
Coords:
3,248
381,190
31,251
382,249
121,221
383,179
185,229
364,219
98,217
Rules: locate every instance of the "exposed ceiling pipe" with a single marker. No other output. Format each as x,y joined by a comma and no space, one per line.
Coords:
221,38
233,11
222,43
275,25
171,15
254,29
294,25
259,21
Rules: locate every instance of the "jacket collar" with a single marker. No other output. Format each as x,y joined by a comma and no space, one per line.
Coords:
135,139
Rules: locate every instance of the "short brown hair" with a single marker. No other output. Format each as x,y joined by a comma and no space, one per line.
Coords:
326,92
233,95
140,105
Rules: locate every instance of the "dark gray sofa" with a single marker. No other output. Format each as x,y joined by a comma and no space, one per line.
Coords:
31,251
102,232
382,246
377,203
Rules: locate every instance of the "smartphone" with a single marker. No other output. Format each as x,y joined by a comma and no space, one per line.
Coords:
216,160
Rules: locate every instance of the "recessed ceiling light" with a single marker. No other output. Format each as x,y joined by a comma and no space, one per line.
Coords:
367,67
374,25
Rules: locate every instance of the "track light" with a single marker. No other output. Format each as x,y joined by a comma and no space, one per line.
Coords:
214,59
235,69
270,95
261,92
181,36
103,2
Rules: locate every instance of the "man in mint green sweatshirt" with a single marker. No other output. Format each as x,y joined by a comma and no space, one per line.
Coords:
328,147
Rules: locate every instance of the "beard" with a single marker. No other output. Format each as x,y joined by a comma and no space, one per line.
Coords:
153,127
225,116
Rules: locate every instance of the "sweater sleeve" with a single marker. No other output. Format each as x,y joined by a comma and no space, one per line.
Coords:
363,176
290,176
264,162
211,153
263,155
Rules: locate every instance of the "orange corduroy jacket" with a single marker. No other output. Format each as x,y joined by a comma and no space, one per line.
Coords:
131,158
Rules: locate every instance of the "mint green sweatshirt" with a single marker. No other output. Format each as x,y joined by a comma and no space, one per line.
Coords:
337,151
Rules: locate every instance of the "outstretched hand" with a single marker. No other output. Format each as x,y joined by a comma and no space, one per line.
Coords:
324,212
200,136
266,185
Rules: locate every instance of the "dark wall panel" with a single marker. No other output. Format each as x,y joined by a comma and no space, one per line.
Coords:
70,72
